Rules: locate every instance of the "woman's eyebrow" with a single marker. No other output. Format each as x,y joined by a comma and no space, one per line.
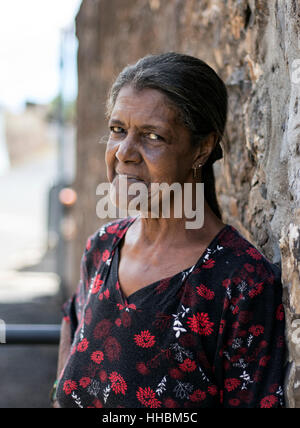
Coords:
151,126
116,122
156,128
146,126
163,131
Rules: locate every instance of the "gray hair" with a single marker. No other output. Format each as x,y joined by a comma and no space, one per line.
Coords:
197,93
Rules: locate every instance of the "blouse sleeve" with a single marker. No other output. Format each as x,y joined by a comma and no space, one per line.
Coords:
253,353
72,309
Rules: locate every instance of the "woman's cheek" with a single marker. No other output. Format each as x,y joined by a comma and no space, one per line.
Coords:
110,160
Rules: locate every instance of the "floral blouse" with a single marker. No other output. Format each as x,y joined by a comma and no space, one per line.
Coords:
209,336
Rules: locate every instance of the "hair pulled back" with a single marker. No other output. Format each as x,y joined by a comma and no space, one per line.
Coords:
196,91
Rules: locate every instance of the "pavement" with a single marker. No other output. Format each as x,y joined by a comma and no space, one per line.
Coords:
28,372
29,287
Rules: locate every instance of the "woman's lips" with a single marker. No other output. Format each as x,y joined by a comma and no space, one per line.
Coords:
129,177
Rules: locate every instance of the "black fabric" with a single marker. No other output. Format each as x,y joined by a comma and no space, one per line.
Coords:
209,336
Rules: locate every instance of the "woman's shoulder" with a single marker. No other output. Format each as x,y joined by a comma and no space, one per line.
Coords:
100,244
241,246
245,260
232,255
105,236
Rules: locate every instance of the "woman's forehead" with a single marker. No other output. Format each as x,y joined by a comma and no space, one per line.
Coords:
145,104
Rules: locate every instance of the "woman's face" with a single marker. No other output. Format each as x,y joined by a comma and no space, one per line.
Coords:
147,141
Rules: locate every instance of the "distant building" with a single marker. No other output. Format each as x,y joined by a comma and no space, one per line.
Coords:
4,157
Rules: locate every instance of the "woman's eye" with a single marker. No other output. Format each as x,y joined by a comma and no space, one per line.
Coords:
153,136
116,129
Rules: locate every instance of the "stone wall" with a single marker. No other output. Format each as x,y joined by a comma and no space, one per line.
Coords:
254,46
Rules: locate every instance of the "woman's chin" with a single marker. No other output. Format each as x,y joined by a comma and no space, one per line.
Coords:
123,201
129,194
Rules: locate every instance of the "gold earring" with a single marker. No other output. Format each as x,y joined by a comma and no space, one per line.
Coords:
195,169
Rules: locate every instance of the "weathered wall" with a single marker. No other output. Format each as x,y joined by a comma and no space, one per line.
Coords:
253,45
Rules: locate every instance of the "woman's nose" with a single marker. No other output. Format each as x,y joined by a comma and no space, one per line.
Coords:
127,150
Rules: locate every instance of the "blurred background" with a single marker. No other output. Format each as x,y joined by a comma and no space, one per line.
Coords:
38,91
58,59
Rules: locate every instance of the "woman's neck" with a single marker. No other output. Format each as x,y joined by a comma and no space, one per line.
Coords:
156,232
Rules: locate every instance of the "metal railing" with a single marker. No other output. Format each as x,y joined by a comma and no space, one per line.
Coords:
32,334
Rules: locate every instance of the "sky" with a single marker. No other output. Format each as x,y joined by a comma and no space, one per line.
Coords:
29,49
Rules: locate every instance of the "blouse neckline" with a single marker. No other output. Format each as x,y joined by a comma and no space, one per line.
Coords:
185,273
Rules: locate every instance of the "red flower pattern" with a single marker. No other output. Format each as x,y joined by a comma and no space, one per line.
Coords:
176,373
97,284
142,368
103,376
84,382
264,360
249,267
147,397
102,329
268,402
166,345
209,264
88,316
212,390
105,255
226,282
256,290
112,229
96,257
198,395
170,403
97,357
69,386
256,330
254,253
234,402
126,319
112,349
118,384
201,324
145,339
82,346
280,312
232,384
188,365
205,292
97,404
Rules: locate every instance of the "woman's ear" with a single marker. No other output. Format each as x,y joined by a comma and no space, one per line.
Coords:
205,148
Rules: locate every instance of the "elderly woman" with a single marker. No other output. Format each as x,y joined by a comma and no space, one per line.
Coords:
166,316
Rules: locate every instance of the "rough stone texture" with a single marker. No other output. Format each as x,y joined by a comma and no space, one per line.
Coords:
254,45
